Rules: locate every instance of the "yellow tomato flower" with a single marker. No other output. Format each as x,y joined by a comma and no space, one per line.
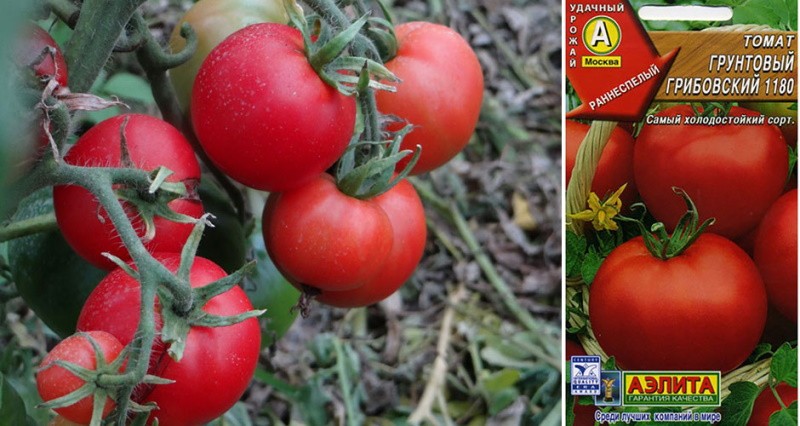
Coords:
601,214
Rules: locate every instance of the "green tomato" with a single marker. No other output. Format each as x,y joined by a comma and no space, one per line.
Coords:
269,290
213,21
52,279
226,242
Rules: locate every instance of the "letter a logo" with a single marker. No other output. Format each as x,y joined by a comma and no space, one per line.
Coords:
601,35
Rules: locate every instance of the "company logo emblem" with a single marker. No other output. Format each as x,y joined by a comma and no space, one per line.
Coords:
677,389
601,35
611,394
585,375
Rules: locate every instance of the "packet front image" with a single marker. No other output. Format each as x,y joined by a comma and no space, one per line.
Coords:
681,214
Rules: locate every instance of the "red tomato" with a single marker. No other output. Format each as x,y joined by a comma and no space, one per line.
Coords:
263,114
732,172
151,143
31,45
55,382
213,21
677,314
407,217
775,254
217,363
28,49
319,237
766,403
440,93
616,163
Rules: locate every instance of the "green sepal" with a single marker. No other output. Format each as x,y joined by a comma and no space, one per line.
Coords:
122,265
158,178
205,319
71,398
155,380
374,177
142,409
98,405
175,328
319,57
205,293
381,32
190,247
658,241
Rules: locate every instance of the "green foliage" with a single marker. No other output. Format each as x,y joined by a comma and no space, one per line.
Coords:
784,365
785,417
738,406
584,257
40,260
778,14
12,407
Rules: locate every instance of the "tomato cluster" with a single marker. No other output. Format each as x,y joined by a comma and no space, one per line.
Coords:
692,292
265,115
681,306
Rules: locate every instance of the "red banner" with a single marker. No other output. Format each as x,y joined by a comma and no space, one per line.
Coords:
611,62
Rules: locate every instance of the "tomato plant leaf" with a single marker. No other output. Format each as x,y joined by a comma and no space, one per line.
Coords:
576,248
610,364
738,406
784,417
784,365
12,407
778,14
570,418
763,350
591,263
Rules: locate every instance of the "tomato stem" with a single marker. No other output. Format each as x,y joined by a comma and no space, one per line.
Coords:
659,242
96,33
34,225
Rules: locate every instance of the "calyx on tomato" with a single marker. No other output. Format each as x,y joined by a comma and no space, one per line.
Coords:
324,53
665,246
366,178
178,320
85,364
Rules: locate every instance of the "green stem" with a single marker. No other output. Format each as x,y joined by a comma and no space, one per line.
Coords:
142,345
774,391
99,26
65,10
494,278
152,274
155,63
34,225
344,381
152,59
336,18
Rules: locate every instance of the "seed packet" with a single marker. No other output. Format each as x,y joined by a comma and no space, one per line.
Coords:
681,212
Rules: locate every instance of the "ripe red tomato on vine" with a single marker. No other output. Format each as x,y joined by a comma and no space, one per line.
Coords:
440,93
150,143
54,381
407,219
320,237
263,114
223,356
